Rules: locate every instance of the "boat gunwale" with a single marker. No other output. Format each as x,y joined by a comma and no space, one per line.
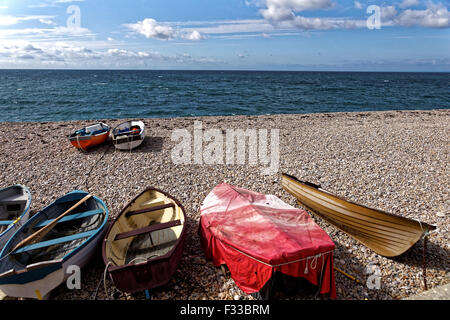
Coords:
166,256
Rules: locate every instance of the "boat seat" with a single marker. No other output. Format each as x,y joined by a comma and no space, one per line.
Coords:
148,229
52,242
150,209
14,199
6,222
71,217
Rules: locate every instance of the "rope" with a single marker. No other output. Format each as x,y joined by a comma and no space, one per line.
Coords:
282,264
78,141
424,263
92,168
104,280
321,275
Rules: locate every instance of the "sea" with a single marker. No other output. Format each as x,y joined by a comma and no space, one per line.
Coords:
60,95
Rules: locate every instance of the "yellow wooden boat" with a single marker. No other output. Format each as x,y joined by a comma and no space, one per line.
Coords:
385,233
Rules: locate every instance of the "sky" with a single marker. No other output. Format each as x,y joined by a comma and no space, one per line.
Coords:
308,35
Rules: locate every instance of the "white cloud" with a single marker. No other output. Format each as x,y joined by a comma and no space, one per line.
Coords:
22,53
194,36
434,16
151,29
67,1
284,14
282,10
12,20
47,21
358,5
225,26
46,33
388,14
408,3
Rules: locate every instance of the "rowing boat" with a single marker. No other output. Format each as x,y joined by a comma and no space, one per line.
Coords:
90,136
128,135
144,244
264,242
15,204
34,269
385,233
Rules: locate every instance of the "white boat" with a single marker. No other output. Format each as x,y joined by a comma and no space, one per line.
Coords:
15,204
128,135
33,269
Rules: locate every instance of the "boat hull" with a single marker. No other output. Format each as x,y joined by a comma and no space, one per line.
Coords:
148,275
90,136
386,234
89,142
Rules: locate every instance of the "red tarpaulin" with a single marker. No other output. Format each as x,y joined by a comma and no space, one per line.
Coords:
256,235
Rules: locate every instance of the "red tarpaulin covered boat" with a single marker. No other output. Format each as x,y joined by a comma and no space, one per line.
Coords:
258,235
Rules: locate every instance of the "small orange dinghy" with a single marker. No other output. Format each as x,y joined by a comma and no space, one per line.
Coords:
90,136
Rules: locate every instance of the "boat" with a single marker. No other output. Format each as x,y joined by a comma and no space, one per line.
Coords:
144,243
15,202
35,260
263,240
385,233
128,135
90,136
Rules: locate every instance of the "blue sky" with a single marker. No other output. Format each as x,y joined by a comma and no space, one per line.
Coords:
413,35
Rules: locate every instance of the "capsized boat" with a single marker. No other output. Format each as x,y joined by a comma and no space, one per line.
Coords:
128,135
66,233
259,236
15,204
90,136
385,233
144,244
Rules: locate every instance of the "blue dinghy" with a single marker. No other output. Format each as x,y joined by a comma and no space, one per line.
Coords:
74,228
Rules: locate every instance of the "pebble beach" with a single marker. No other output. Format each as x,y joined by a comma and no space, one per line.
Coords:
396,161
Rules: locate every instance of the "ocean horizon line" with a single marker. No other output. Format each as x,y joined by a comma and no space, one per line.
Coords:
221,70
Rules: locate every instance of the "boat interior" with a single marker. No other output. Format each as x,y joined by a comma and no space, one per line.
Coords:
127,128
13,202
93,130
146,229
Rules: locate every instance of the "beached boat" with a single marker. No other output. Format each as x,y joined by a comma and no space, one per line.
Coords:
144,244
262,240
385,233
90,136
15,204
66,233
128,135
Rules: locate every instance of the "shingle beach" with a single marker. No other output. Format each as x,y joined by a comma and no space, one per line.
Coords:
396,161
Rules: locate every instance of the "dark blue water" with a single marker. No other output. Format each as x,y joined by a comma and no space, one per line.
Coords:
53,95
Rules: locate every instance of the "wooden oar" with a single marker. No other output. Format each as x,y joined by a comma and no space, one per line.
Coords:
35,237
